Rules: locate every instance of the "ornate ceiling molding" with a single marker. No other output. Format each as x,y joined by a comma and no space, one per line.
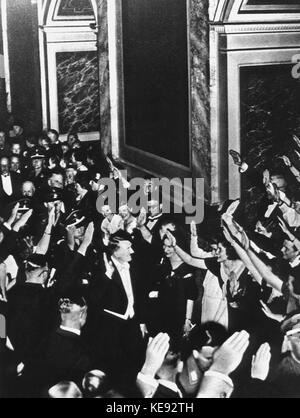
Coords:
263,27
51,17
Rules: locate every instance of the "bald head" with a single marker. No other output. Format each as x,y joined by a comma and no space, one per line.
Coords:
4,165
28,189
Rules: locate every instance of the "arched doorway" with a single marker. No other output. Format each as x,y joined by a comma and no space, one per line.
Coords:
69,67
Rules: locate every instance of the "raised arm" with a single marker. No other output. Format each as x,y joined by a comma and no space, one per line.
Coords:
3,289
243,256
141,225
188,259
270,278
22,221
88,238
195,250
43,245
217,382
155,356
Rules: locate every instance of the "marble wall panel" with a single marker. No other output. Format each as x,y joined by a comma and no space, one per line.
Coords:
270,115
78,93
200,93
104,86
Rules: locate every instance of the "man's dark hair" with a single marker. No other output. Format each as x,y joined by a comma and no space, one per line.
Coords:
116,239
230,251
74,134
83,179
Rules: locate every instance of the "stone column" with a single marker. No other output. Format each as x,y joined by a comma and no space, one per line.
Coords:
104,88
200,93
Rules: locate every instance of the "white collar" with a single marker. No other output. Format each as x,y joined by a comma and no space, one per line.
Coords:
71,330
154,218
120,266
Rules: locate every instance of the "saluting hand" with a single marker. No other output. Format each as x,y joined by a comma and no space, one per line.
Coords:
108,266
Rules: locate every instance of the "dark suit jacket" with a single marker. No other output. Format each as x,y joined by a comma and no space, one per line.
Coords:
62,356
31,310
109,294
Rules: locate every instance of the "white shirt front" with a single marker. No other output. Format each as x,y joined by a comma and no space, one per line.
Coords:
7,186
71,330
152,221
124,271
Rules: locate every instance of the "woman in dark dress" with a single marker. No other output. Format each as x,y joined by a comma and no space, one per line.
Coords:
86,198
176,292
241,292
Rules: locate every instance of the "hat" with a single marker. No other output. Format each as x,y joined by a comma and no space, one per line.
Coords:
37,152
52,194
36,261
76,218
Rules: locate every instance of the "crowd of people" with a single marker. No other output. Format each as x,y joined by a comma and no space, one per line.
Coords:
105,303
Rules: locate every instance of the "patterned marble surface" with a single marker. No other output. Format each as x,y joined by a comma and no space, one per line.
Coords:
104,88
78,93
75,8
199,55
270,110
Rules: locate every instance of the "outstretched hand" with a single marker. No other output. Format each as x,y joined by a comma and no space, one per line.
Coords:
13,214
3,296
261,363
233,207
171,238
157,350
51,217
142,218
269,314
227,234
245,241
89,234
23,220
229,356
266,178
194,232
286,161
